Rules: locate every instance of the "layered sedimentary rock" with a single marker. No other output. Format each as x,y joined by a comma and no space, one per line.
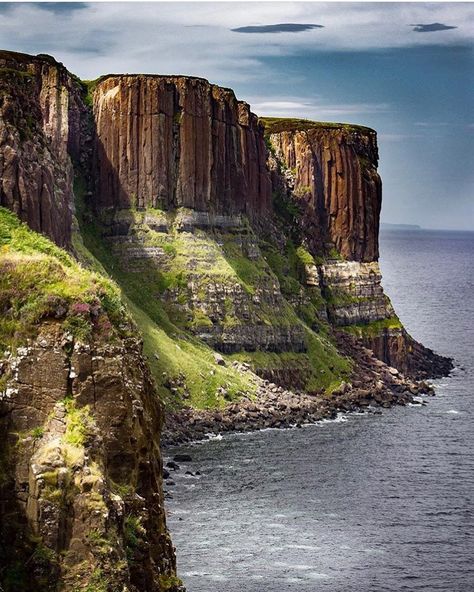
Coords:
214,280
354,292
333,172
171,142
41,116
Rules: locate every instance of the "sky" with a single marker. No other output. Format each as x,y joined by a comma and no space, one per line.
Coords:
406,69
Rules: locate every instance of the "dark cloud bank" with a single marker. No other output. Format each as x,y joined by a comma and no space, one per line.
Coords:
280,28
431,28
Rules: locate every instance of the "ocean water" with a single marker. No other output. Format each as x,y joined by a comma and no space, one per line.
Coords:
366,503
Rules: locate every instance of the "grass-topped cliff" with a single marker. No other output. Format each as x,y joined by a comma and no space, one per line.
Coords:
276,125
76,398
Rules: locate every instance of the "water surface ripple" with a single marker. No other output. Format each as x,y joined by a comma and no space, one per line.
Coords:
368,503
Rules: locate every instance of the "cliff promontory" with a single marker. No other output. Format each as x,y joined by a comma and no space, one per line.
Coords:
171,265
169,142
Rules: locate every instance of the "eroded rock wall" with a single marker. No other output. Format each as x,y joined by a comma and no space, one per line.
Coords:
335,181
80,497
169,142
354,292
329,172
41,117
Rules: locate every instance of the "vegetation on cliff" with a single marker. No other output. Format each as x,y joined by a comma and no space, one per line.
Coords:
188,290
39,280
71,356
276,125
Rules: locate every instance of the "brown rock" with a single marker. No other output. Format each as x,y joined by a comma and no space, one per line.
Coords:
167,142
41,117
337,186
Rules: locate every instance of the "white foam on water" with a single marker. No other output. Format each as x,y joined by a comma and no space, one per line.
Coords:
341,418
211,436
304,547
453,411
314,575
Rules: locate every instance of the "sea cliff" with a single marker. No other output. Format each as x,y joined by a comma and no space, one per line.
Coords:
183,263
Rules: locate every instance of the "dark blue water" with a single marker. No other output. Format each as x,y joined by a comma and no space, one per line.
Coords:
368,503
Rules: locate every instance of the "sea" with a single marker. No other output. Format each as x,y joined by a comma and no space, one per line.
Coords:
364,503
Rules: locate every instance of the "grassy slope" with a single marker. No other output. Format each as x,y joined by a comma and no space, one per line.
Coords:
205,258
39,280
169,349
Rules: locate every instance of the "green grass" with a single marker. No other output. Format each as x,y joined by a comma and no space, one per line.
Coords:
38,280
191,266
133,532
304,256
173,353
185,356
168,582
285,208
275,125
18,74
322,366
375,328
88,87
79,423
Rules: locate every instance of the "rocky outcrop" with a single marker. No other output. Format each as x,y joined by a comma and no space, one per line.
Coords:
81,503
41,117
216,283
82,498
354,292
329,173
373,384
333,173
171,141
398,349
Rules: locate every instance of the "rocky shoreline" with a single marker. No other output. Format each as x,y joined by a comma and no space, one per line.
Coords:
373,385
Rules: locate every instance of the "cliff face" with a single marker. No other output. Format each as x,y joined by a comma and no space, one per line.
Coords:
167,142
80,465
83,499
194,159
41,116
333,172
263,248
329,172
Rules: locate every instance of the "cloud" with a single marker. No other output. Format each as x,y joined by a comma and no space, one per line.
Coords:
316,108
62,7
431,123
431,28
280,28
196,38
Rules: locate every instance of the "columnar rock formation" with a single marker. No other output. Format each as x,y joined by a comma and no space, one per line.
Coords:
167,142
223,239
330,172
335,181
41,116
